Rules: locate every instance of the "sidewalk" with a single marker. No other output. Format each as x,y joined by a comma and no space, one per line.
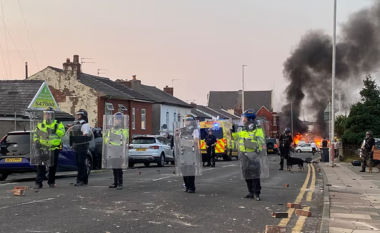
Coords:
352,202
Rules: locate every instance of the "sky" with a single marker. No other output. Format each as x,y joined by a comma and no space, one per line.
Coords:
202,43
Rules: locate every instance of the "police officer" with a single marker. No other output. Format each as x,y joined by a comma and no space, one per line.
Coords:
368,150
80,138
286,141
210,147
189,132
251,168
116,146
54,131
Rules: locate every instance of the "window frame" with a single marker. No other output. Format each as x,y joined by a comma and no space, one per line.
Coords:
133,118
122,108
107,110
143,116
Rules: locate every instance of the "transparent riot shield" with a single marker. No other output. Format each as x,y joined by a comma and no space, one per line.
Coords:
252,151
188,155
115,141
41,136
76,140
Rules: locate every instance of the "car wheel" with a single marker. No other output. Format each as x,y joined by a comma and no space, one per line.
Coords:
172,163
130,164
161,163
3,176
88,165
299,151
146,164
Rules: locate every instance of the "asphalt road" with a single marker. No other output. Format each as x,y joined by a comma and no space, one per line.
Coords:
153,201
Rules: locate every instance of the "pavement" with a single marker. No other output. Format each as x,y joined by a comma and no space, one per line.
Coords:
153,201
352,199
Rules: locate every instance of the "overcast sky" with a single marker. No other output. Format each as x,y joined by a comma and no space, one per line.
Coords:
203,43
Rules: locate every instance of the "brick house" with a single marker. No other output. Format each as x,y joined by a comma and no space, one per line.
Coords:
273,120
100,96
166,109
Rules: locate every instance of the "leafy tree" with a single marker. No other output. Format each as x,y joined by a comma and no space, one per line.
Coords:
340,125
364,115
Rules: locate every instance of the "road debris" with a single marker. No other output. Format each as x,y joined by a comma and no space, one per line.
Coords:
274,229
294,205
303,213
280,215
286,185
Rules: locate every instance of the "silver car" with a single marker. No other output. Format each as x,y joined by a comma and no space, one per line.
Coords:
149,149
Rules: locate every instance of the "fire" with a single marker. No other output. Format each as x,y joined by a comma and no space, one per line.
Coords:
297,138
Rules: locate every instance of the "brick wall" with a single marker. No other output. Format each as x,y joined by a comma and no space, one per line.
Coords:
273,118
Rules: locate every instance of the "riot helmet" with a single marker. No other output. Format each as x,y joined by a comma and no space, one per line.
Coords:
248,116
118,119
369,133
210,131
49,115
188,119
81,115
287,131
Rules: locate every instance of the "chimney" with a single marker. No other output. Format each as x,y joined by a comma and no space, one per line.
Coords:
72,68
26,70
194,105
169,90
125,83
135,83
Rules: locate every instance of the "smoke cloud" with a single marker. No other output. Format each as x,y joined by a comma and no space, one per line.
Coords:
309,68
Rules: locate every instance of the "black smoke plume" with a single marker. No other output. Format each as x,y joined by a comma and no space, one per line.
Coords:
309,68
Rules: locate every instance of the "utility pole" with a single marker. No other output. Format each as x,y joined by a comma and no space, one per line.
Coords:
333,89
100,70
291,116
242,92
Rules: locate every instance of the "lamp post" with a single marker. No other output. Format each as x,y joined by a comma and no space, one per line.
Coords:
242,93
291,116
332,133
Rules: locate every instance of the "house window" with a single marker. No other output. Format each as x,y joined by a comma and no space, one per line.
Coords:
143,118
122,108
109,109
179,117
133,118
274,121
167,119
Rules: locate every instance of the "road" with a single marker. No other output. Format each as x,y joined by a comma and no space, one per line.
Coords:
153,201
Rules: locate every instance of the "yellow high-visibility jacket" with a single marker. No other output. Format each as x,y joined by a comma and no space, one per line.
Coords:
51,139
124,132
256,136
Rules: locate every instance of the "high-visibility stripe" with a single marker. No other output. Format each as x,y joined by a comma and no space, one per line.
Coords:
203,145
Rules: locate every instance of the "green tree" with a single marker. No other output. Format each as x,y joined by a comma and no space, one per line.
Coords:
340,125
364,115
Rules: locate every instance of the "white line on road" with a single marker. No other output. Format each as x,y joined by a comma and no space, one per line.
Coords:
231,165
165,177
7,184
27,203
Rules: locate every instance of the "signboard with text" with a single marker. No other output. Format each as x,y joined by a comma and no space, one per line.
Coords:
43,99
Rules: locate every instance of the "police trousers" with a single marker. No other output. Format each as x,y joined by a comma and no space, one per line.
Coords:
117,177
81,153
41,170
254,186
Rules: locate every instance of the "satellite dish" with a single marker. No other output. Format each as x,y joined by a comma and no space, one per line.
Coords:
164,126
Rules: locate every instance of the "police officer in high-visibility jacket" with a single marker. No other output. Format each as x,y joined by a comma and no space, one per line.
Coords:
252,154
115,152
48,136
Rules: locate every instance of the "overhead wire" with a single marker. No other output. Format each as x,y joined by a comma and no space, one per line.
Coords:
10,36
27,31
5,66
6,40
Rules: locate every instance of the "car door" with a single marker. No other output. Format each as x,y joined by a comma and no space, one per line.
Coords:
307,147
166,146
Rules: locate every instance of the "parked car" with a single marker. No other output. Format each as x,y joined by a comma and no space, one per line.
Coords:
272,146
149,149
305,148
15,155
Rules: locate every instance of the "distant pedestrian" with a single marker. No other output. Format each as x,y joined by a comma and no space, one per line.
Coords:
313,147
324,143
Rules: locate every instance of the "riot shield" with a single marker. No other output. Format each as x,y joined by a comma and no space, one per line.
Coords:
188,155
41,136
76,140
115,142
252,151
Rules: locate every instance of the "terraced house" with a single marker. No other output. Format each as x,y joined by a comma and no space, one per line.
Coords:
100,96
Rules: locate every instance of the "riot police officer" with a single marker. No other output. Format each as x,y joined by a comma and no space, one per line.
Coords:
286,141
252,156
48,135
188,153
368,149
80,137
116,148
210,145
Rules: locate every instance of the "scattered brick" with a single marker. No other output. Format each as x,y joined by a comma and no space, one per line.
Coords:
19,192
294,205
286,185
328,184
303,213
274,229
280,215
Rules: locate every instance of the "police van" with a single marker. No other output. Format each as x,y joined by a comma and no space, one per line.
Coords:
222,129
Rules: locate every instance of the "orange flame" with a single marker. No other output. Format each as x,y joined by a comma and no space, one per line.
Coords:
297,138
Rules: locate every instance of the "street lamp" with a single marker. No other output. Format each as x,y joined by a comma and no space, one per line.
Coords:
333,88
242,93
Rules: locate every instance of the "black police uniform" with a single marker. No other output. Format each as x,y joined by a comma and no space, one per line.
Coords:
285,142
210,140
368,154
